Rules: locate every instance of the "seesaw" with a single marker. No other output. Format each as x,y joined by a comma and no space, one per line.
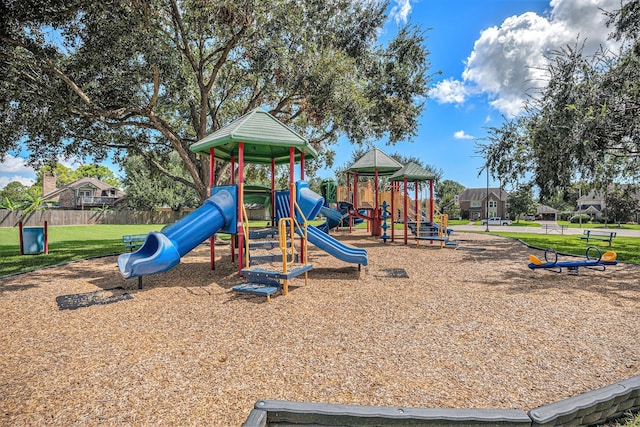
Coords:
552,264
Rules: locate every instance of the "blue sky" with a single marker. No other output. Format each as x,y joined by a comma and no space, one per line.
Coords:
490,53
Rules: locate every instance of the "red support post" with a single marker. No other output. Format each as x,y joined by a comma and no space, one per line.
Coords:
375,221
417,204
393,186
273,192
232,181
212,239
46,238
302,179
406,216
355,190
292,193
431,204
240,204
20,228
355,198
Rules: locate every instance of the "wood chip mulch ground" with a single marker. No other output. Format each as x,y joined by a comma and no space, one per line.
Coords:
468,328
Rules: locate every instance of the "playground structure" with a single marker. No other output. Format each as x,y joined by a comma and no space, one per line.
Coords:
599,262
423,224
258,138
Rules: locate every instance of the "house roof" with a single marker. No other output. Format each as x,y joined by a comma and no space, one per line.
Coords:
478,194
599,196
412,172
375,159
264,138
544,209
84,182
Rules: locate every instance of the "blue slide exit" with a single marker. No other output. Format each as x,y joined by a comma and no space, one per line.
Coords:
311,203
335,247
162,250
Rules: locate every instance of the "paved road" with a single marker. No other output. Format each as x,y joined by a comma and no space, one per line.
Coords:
548,227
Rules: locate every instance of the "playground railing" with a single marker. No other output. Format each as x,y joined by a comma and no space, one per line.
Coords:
303,231
245,228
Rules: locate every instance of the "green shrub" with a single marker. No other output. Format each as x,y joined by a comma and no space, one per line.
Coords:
576,218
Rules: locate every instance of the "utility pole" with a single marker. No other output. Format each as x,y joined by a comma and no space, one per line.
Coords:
487,202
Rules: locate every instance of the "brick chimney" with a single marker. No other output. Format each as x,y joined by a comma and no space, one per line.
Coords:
48,182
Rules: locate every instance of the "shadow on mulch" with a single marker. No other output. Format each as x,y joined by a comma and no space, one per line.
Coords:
75,301
392,273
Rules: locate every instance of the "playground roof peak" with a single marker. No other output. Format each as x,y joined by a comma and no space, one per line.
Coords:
412,172
264,138
375,159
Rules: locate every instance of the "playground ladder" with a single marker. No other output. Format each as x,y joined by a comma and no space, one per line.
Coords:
266,282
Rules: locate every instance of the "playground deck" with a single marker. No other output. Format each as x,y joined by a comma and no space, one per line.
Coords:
418,327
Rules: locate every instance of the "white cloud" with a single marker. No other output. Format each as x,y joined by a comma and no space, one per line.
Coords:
508,61
15,165
15,169
400,11
449,91
4,180
462,135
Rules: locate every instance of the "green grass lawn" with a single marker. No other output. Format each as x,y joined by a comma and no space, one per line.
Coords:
613,227
70,243
66,243
627,248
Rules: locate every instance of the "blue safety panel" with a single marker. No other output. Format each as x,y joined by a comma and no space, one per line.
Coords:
266,259
256,289
260,275
263,234
264,244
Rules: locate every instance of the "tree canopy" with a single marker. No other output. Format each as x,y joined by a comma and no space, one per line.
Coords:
148,189
445,193
584,125
149,78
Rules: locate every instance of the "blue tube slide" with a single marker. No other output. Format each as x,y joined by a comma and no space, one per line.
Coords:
162,251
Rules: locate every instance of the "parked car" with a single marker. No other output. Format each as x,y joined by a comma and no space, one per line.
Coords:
530,217
496,220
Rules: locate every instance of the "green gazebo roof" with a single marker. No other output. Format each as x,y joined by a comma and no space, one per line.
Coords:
375,159
264,138
413,172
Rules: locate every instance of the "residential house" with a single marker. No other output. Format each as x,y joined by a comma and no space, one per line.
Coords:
594,203
85,193
474,204
546,213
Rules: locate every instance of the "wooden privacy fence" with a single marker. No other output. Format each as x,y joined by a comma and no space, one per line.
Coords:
72,217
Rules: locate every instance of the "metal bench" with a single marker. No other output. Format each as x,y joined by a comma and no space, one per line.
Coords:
133,241
605,236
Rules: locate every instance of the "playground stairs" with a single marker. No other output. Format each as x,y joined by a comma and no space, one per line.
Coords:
264,247
265,275
429,232
266,282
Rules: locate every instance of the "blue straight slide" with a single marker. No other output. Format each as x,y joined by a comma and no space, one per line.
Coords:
311,203
162,250
335,247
